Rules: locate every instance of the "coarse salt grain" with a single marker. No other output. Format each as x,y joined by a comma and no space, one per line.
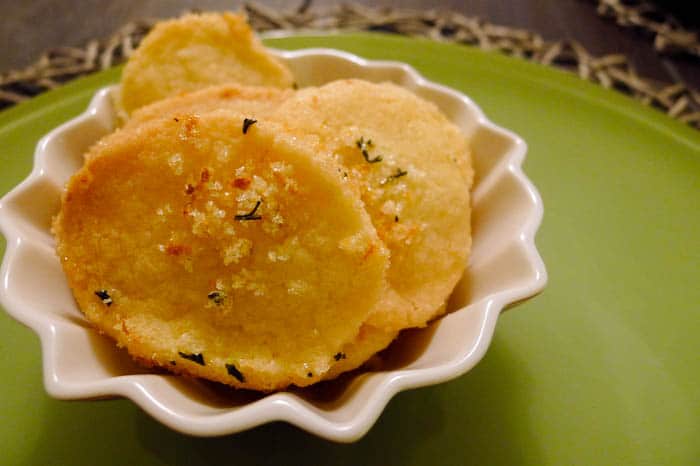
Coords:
176,163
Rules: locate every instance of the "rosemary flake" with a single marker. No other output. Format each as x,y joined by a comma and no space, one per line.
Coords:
194,357
234,372
338,356
250,215
104,297
364,145
247,123
396,175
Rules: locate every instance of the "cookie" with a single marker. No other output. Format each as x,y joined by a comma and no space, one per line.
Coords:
194,52
414,169
221,248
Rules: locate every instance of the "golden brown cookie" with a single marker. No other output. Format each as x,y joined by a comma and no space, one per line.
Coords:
221,248
415,171
194,52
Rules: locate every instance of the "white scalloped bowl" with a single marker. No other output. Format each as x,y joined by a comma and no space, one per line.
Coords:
504,268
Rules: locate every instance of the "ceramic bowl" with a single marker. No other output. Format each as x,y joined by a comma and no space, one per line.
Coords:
78,363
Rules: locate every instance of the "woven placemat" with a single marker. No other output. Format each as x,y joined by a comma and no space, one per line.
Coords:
62,64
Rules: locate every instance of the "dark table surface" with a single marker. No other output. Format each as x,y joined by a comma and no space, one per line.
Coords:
29,28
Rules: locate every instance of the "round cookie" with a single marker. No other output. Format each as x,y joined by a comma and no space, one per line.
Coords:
221,250
251,101
368,342
194,52
414,170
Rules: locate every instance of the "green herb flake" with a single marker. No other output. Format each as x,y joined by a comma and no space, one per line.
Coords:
217,297
250,215
364,145
396,175
104,297
234,372
247,123
194,357
339,356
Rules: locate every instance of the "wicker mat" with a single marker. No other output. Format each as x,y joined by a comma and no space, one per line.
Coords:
62,64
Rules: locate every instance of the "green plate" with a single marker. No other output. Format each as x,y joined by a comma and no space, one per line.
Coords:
603,368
